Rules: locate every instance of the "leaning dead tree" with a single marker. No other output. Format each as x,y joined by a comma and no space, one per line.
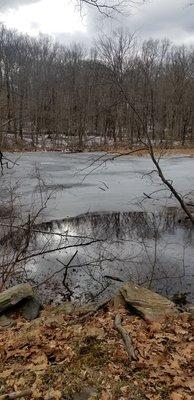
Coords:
168,183
116,55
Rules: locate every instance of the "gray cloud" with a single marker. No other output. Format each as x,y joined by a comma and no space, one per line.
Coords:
77,37
6,4
166,18
156,18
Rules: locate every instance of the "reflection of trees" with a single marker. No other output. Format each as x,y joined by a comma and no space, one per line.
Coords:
125,246
118,225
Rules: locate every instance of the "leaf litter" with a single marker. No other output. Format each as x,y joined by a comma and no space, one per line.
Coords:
57,356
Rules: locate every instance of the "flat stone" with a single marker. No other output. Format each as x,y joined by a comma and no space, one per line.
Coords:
149,305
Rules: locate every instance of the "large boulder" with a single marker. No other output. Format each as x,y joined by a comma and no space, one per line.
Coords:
149,305
31,308
13,296
22,299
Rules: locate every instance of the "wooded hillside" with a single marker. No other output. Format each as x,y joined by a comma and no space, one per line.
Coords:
67,96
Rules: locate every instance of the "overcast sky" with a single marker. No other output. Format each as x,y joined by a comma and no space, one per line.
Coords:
61,19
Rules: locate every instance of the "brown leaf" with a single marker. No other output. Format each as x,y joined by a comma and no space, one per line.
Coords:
190,384
94,332
176,396
105,396
178,381
40,359
52,394
167,335
155,327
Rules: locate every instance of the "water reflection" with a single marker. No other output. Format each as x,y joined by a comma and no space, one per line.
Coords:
119,225
154,249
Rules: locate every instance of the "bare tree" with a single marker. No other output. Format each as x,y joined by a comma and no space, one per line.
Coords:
145,119
65,97
109,8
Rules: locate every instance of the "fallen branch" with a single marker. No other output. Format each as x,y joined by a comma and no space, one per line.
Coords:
126,338
16,395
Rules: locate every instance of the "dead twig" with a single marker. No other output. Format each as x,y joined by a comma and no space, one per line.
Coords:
65,266
16,395
126,338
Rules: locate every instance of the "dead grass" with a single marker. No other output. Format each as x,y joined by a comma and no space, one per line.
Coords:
187,151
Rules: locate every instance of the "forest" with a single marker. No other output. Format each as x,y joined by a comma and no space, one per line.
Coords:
96,201
74,98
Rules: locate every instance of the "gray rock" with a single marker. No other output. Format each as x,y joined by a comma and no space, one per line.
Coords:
14,295
20,299
191,311
85,394
31,308
5,322
149,305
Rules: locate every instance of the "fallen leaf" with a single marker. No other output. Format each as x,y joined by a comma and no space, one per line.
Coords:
6,373
190,384
176,396
53,394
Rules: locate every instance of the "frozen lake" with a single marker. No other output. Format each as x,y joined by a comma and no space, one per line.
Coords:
84,182
121,203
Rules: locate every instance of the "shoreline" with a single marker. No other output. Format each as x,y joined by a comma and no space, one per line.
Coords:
185,151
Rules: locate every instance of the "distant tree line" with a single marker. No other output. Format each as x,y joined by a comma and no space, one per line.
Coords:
67,96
